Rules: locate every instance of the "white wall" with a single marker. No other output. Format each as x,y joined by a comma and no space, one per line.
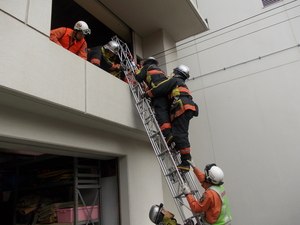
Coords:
137,46
161,46
34,13
249,122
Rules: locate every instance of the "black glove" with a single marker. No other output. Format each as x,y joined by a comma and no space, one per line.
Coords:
145,95
119,68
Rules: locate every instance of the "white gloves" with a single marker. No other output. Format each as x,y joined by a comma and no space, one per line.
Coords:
191,163
186,190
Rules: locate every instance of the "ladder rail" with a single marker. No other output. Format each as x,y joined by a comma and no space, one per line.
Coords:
167,158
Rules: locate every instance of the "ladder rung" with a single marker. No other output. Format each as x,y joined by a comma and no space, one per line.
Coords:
136,87
155,134
179,196
182,194
148,119
163,152
171,173
140,101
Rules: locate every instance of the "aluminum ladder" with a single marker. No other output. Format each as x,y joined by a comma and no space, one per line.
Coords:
167,157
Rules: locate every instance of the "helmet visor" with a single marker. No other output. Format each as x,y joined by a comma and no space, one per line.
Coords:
86,31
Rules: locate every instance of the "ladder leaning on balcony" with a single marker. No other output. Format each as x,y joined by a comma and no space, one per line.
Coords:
167,157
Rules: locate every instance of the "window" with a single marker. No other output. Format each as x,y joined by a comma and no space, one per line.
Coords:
269,2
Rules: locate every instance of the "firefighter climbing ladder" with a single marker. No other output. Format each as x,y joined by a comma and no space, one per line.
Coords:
167,157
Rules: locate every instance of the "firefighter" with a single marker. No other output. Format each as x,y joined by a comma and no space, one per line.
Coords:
182,110
158,215
105,58
152,75
72,39
213,203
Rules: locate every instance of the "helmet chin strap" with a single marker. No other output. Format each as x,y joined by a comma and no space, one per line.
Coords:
179,76
207,180
74,37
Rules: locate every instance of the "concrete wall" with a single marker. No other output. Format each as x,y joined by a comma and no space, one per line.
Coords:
163,48
36,14
245,75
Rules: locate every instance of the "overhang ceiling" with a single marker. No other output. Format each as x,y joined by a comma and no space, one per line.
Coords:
12,100
180,19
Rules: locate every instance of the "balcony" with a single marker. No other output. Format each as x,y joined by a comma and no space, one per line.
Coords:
41,78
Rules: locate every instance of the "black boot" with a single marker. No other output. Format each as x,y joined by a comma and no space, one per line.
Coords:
184,165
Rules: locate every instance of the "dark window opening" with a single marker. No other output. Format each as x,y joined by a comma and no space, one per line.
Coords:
269,2
35,186
67,12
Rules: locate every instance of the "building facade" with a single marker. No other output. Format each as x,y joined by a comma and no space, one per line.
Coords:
244,63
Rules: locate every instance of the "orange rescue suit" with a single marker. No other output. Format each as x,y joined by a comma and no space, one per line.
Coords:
64,37
210,202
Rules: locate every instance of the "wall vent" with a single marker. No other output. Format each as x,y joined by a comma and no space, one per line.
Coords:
269,2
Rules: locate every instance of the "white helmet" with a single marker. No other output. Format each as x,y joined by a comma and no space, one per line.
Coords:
155,213
112,46
183,71
214,174
150,60
82,27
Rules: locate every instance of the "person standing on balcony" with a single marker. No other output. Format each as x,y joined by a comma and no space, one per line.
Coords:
105,57
153,76
72,39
